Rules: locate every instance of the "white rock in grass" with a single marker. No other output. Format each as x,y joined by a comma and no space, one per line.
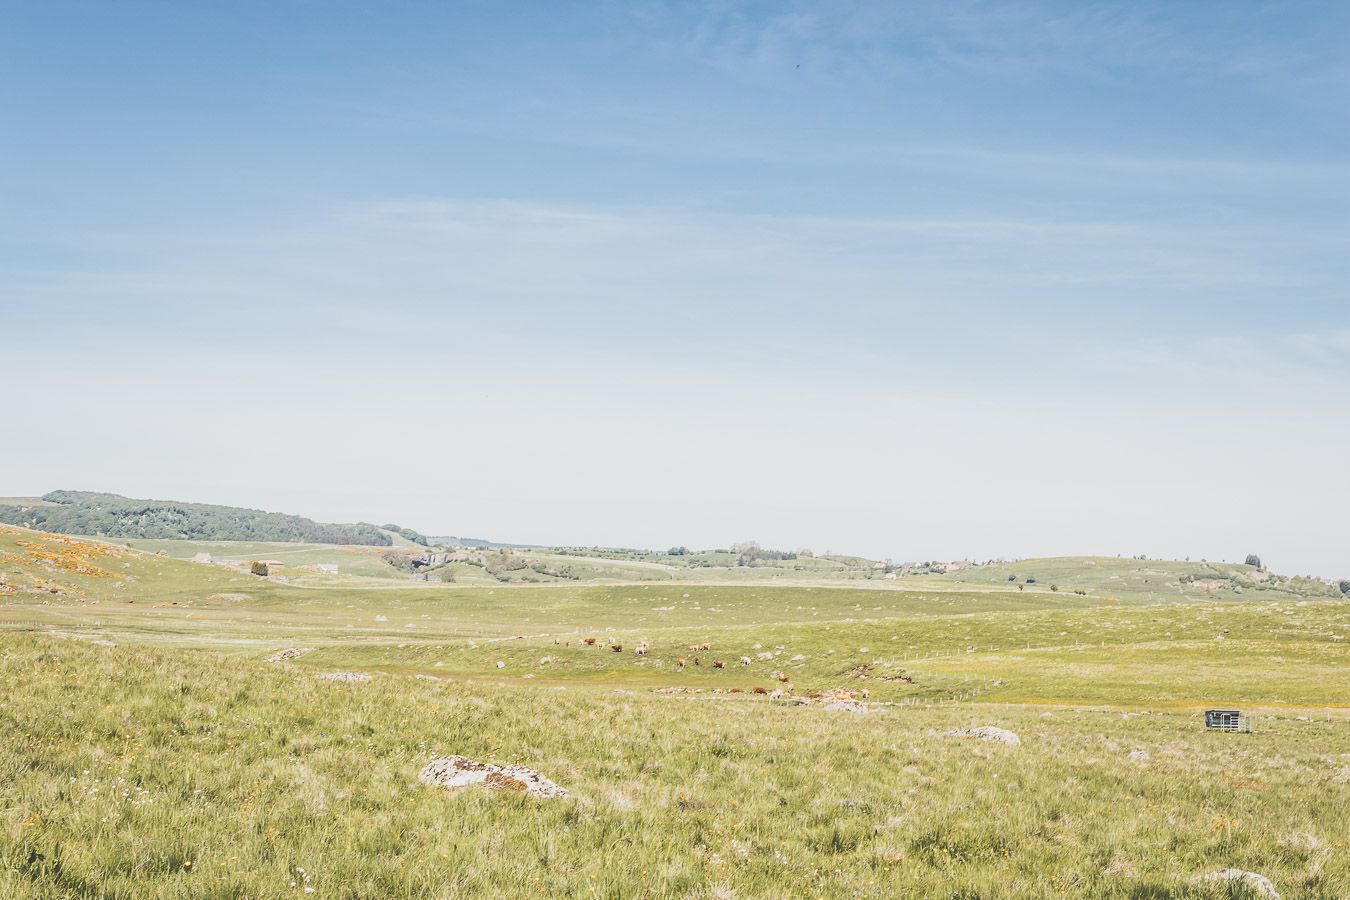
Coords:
345,676
454,772
289,654
852,706
988,733
1259,883
1139,756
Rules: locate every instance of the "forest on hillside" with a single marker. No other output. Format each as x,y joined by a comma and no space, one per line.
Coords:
114,516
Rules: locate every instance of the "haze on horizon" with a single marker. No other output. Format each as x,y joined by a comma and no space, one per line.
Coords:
979,280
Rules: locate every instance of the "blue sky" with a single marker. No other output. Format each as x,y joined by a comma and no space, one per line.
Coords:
912,280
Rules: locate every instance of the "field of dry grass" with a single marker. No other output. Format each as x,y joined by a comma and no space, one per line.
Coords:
147,748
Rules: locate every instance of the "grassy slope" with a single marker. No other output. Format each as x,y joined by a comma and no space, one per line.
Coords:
195,750
169,773
1133,578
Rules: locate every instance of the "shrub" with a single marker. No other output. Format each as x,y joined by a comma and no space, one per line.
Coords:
258,568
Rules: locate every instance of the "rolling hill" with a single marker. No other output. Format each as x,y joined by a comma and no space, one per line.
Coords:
115,516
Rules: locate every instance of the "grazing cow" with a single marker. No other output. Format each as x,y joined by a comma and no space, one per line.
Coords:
680,663
761,690
641,648
696,661
617,648
718,664
778,675
745,660
705,646
589,642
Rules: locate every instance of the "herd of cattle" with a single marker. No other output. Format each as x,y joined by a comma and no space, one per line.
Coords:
681,662
786,691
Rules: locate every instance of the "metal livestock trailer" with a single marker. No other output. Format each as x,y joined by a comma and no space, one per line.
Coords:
1227,720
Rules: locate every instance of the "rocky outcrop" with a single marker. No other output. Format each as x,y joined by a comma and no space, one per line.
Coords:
289,654
988,733
1257,882
454,772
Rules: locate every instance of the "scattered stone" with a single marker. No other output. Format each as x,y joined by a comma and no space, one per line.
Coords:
345,676
988,733
1259,883
454,772
500,664
289,654
852,706
426,677
1139,756
103,642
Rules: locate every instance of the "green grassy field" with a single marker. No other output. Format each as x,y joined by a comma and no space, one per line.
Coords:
147,749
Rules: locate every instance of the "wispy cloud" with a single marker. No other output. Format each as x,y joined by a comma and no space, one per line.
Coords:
1003,39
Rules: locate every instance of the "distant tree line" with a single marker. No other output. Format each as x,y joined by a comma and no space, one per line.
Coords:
415,537
750,553
111,515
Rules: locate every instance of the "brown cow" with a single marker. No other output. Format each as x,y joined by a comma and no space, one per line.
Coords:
680,663
705,646
617,648
589,642
718,664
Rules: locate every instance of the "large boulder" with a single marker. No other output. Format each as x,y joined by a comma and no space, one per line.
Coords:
454,772
289,654
988,733
1257,882
344,676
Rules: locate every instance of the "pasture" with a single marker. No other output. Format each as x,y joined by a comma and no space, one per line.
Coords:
148,749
